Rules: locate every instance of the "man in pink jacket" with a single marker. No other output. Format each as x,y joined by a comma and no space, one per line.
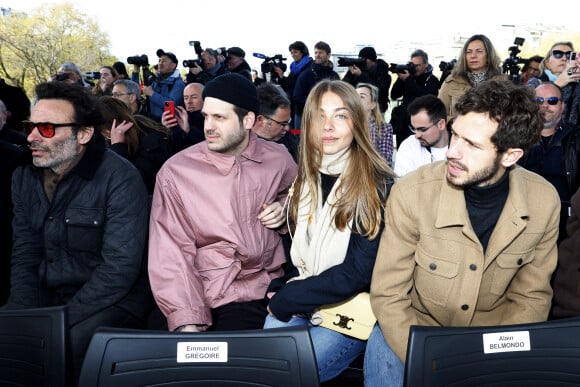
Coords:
217,214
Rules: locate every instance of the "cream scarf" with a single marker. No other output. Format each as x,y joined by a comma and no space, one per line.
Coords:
317,245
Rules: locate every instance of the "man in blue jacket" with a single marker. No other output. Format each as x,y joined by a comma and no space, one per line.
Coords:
166,86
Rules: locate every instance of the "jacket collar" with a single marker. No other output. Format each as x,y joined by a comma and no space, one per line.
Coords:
452,211
225,163
91,160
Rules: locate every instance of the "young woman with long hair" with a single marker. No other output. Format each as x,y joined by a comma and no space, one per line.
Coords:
336,217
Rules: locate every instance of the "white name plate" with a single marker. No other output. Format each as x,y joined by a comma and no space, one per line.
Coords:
506,342
202,352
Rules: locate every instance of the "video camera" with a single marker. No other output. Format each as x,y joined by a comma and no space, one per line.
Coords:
269,63
143,61
401,68
344,61
91,76
510,65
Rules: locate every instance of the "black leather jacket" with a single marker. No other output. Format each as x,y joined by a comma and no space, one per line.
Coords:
86,248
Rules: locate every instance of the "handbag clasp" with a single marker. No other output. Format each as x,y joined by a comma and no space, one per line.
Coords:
343,321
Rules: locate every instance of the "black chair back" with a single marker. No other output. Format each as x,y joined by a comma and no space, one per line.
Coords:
33,347
531,355
268,357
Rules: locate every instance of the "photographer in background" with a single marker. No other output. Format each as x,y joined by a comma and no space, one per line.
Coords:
211,67
302,62
414,82
375,72
167,85
70,73
236,62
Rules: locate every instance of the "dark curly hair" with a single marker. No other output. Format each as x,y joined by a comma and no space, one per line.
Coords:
87,107
513,107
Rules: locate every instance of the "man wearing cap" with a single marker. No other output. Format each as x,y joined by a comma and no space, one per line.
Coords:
236,63
375,71
217,215
167,86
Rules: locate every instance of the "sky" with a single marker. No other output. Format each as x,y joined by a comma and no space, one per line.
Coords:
268,26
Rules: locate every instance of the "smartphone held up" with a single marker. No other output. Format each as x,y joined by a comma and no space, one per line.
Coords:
169,106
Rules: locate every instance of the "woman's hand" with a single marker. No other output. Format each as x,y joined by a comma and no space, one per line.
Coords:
118,131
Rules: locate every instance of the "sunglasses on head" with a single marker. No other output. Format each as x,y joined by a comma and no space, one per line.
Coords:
558,54
46,129
549,100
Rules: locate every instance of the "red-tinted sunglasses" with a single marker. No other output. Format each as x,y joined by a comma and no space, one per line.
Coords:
46,129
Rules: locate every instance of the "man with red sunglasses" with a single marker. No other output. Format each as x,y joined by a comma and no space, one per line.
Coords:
80,220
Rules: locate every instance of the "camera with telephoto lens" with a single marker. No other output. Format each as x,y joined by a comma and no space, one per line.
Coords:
344,61
447,66
401,68
61,77
192,63
143,61
511,65
139,60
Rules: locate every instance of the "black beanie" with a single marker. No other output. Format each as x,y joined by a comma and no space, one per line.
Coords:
235,89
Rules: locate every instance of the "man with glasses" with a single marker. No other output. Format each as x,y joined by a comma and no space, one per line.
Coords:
130,93
80,220
409,86
273,121
428,123
556,156
470,241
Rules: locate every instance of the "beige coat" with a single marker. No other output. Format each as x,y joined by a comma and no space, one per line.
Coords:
431,268
452,88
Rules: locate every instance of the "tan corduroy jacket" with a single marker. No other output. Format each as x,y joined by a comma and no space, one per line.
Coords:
431,268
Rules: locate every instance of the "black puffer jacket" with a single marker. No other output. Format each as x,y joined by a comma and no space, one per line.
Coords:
86,248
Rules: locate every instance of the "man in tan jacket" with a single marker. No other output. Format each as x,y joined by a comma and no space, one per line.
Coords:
469,241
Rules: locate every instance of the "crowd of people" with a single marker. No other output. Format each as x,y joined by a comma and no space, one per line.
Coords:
153,200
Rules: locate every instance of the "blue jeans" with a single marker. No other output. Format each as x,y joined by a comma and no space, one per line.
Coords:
382,367
334,351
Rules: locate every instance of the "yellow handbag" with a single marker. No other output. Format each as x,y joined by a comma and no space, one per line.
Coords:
353,317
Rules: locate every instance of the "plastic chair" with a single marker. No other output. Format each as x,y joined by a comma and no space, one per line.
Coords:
33,347
269,357
536,354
